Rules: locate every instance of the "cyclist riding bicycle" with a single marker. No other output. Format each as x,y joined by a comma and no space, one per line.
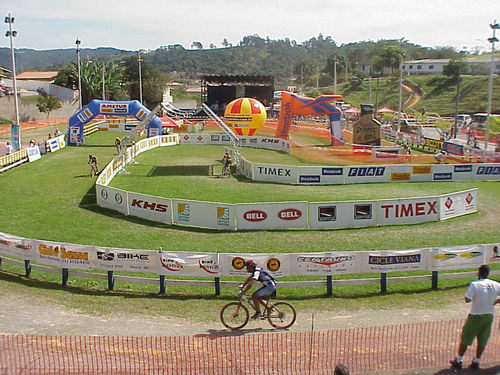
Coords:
226,161
268,286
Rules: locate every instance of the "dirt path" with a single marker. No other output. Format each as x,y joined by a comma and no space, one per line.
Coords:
36,317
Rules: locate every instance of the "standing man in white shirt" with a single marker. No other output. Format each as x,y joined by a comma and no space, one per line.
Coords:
484,294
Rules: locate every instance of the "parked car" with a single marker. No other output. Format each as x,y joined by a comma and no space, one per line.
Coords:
463,120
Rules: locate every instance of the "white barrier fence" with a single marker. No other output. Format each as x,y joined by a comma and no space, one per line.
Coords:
203,264
282,215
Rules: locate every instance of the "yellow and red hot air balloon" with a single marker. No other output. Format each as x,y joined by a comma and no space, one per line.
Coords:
245,116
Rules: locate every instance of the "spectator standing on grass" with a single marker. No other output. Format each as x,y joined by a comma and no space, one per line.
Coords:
8,149
484,294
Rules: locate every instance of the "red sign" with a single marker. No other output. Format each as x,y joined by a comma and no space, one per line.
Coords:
289,214
255,215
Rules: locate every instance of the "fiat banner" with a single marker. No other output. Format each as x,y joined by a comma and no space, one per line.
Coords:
272,215
326,263
391,261
450,258
187,264
234,264
458,204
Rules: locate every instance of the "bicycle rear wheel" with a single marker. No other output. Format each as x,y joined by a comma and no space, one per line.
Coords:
281,315
234,315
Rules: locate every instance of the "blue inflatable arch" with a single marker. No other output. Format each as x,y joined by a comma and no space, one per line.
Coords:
113,108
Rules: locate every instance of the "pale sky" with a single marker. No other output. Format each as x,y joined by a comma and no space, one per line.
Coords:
149,24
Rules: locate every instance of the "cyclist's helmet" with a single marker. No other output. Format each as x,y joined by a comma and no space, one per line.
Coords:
250,263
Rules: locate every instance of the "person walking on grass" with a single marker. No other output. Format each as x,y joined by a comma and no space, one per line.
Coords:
483,295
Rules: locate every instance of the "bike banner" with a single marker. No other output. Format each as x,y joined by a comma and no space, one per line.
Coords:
116,259
457,257
334,263
398,260
187,264
233,264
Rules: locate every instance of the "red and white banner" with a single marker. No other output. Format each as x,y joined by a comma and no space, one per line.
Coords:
150,207
458,204
274,215
187,264
407,210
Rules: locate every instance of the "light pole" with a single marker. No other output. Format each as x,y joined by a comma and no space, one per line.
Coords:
139,61
494,26
16,135
400,102
103,78
78,42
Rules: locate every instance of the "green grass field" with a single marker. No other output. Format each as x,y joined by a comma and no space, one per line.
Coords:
54,199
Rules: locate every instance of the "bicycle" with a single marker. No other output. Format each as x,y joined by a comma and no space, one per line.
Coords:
235,315
226,170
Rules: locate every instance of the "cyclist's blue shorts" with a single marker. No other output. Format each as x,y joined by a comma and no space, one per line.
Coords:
265,291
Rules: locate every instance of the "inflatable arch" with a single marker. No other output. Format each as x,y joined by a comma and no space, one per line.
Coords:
106,107
293,104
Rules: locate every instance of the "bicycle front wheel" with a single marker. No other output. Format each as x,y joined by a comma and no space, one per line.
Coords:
281,315
234,315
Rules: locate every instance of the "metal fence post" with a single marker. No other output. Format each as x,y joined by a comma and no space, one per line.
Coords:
64,276
329,285
27,268
163,285
383,282
111,280
434,279
217,285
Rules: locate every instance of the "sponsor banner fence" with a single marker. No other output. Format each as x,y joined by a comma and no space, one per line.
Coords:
393,261
320,175
457,257
63,255
410,173
407,210
112,198
273,215
342,214
16,246
366,174
458,204
284,174
486,171
194,139
33,153
188,264
326,263
204,214
245,168
150,207
115,259
56,143
331,175
233,264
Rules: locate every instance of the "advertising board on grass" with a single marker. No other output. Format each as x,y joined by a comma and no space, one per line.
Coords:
458,204
112,198
407,210
150,207
233,264
187,264
366,174
204,214
328,263
273,215
115,259
392,261
457,257
285,174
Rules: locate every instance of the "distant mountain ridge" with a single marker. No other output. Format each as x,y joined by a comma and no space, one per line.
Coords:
30,59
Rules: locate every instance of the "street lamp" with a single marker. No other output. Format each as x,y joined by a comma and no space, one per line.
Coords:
139,61
16,135
400,101
494,26
78,42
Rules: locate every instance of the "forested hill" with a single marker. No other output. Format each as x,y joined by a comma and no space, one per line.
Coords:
253,55
30,59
